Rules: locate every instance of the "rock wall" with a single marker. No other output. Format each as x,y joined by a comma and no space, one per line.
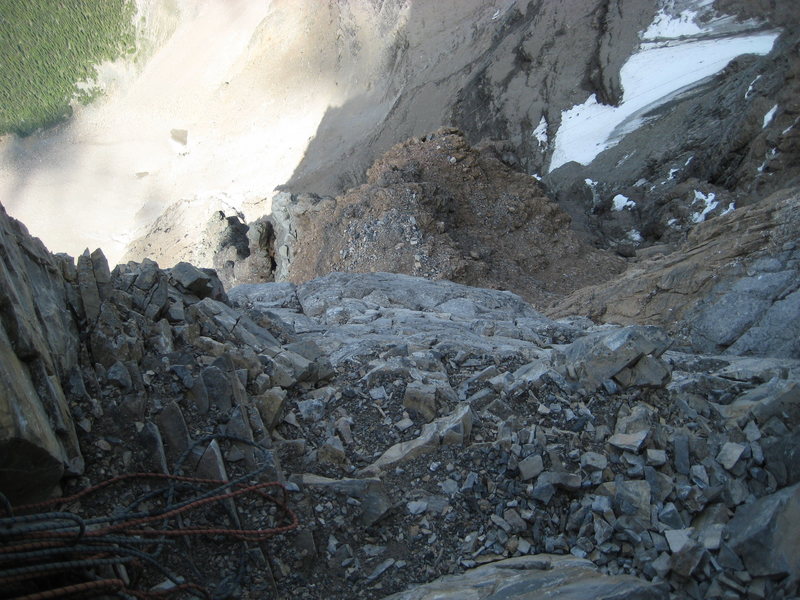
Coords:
40,312
731,288
523,64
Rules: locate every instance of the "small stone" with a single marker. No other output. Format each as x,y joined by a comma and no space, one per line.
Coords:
670,516
332,451
752,432
662,564
417,507
686,560
656,458
530,467
629,441
421,398
593,461
678,538
681,453
711,536
270,406
729,454
633,498
514,519
449,487
311,410
404,423
380,569
500,522
119,375
173,429
699,475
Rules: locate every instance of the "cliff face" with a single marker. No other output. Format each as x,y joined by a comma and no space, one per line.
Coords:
39,347
648,100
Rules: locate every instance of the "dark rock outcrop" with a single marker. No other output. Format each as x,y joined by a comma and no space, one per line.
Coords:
437,208
39,344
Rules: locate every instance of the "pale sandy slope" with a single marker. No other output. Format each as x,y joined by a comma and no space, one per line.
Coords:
235,73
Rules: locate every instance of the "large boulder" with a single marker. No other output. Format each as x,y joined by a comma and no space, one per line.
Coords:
766,534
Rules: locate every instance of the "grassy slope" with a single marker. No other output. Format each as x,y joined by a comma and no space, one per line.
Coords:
47,47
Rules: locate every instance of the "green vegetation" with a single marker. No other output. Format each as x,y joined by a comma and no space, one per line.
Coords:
47,47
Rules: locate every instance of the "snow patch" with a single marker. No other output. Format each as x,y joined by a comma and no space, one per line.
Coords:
730,209
641,182
769,116
593,186
767,157
672,222
540,133
634,236
620,202
650,78
673,172
710,204
789,128
666,26
750,87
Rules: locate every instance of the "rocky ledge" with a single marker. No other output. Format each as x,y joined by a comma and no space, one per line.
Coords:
425,430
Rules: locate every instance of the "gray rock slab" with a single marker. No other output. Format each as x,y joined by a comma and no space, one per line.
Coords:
530,467
537,576
629,441
264,296
413,293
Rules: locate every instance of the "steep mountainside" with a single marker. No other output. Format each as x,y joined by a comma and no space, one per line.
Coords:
358,435
533,328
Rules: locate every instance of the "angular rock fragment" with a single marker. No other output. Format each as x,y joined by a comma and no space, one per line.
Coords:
530,467
375,501
600,356
766,534
421,398
629,441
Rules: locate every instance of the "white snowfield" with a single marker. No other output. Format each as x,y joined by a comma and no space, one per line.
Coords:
657,73
620,202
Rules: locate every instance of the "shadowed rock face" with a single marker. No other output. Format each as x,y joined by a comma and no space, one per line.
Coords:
525,63
492,69
39,347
